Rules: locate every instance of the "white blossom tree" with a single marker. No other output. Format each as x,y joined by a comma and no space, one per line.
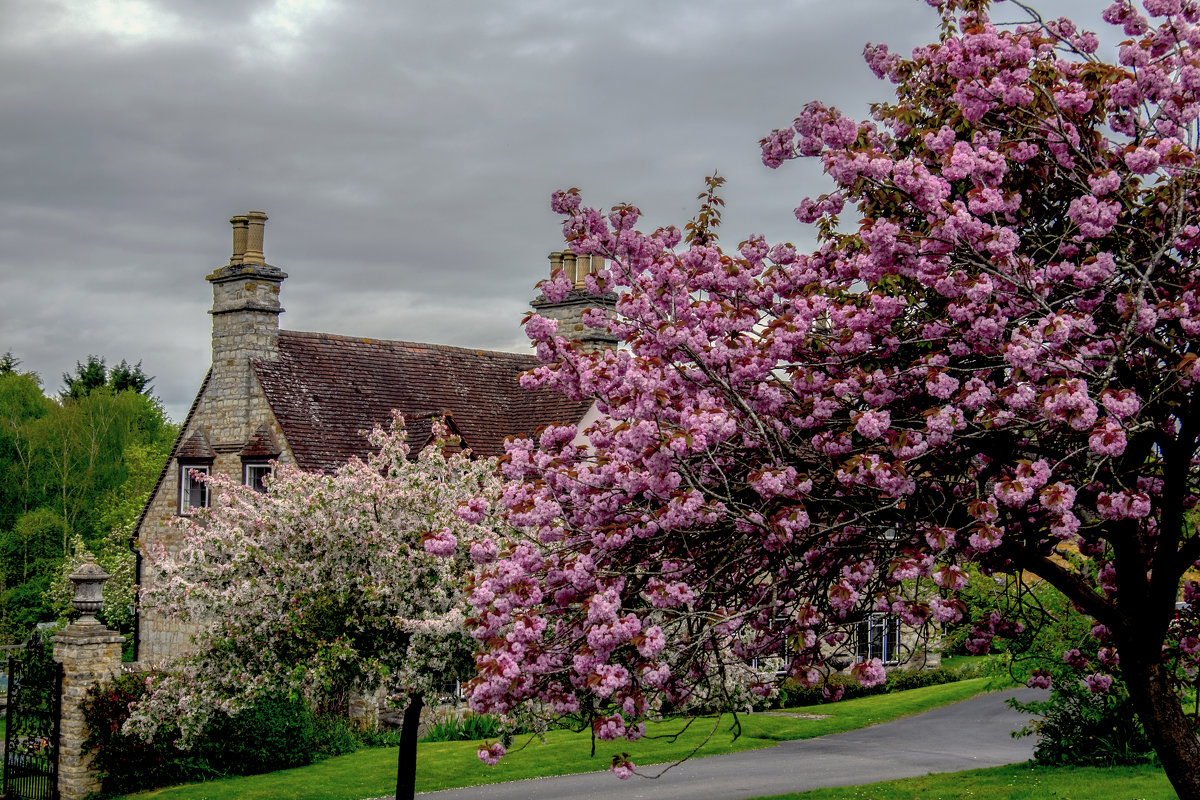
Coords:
325,586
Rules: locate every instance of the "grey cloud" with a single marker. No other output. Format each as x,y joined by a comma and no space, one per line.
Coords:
405,152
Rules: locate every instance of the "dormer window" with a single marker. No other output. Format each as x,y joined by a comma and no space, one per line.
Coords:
257,456
195,459
254,475
193,490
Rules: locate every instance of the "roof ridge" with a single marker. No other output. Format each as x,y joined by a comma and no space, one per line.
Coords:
402,342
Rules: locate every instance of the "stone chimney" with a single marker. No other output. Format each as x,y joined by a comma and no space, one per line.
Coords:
245,316
569,312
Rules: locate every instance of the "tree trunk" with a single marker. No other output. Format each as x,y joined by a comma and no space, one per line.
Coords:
1172,734
406,759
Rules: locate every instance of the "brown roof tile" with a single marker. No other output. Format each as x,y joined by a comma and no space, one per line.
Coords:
326,389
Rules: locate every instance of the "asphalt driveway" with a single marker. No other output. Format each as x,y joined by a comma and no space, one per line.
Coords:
966,735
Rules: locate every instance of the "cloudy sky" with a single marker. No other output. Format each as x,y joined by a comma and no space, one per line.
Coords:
405,151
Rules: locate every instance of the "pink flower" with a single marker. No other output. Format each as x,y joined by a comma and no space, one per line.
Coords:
609,728
622,767
873,424
564,202
443,543
1141,160
473,511
1107,439
1074,658
484,552
1057,496
1095,217
1104,183
492,754
869,673
1123,505
539,328
1039,679
946,611
986,537
1121,403
1098,683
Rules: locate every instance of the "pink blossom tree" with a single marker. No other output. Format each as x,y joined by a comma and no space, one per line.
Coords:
991,357
326,586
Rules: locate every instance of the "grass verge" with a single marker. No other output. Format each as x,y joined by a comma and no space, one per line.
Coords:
447,765
453,764
1020,782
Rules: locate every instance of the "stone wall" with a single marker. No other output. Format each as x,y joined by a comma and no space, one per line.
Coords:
89,653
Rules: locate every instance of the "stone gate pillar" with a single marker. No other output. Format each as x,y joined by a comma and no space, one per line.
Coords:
89,653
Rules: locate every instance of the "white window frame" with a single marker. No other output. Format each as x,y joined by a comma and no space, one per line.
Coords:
186,486
252,482
878,636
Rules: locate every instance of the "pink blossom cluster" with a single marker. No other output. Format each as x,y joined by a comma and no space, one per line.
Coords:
988,358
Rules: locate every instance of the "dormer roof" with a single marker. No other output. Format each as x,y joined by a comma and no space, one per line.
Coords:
261,445
196,448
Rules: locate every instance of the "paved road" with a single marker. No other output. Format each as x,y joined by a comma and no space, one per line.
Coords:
966,735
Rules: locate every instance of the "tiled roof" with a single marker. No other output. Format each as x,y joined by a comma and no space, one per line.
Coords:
326,389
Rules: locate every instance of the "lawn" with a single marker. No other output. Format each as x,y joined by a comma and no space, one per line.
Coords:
445,765
1018,782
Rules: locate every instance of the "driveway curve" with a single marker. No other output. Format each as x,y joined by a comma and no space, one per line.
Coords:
966,735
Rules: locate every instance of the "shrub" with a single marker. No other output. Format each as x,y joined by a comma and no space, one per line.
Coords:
127,763
335,736
445,730
1078,727
468,728
274,733
900,680
793,694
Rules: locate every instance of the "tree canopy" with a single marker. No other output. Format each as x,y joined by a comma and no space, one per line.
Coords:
327,586
77,466
991,357
95,375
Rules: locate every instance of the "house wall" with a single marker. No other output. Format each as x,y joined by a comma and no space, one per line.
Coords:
229,415
226,415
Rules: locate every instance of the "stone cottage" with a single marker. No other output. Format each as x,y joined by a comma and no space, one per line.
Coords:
303,398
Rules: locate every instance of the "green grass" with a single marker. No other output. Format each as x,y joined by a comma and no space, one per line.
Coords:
1022,782
446,765
964,662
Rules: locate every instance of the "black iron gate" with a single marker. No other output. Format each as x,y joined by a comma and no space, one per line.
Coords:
31,739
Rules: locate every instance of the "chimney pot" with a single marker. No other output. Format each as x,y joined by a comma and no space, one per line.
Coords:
570,266
583,269
257,221
240,224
